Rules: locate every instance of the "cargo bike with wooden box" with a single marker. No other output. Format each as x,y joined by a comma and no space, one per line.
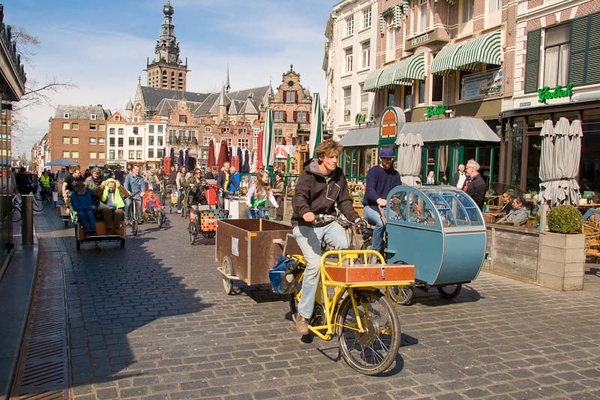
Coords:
438,229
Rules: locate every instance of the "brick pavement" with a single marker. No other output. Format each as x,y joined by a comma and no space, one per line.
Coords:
151,322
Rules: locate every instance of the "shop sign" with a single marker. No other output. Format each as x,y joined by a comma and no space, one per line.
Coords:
388,124
424,38
362,119
435,110
476,86
558,92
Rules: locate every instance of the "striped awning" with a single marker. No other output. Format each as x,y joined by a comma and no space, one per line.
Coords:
403,72
485,49
387,76
445,60
372,80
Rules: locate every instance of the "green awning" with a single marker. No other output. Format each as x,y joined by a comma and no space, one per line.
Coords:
410,69
445,60
372,80
485,49
387,76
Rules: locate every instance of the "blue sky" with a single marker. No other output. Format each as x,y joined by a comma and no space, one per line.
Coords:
102,47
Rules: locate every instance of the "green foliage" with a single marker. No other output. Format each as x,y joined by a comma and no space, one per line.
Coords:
564,219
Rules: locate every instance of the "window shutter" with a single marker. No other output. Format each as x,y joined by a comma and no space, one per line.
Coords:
307,117
295,116
297,96
593,51
285,116
579,45
532,61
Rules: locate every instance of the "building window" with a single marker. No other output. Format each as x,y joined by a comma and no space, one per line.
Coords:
301,116
423,10
75,126
92,140
111,154
229,141
421,92
93,155
243,142
438,88
138,155
367,17
207,129
135,130
391,98
243,131
131,141
279,116
350,26
118,118
277,135
101,140
93,127
289,96
557,52
66,126
66,115
75,154
366,54
348,59
181,135
150,140
111,142
408,97
206,140
66,154
159,140
138,141
93,117
120,131
191,135
160,129
101,155
131,154
150,153
111,131
495,5
120,142
182,119
364,101
468,9
347,103
74,140
120,154
159,153
150,128
255,132
225,129
390,40
66,140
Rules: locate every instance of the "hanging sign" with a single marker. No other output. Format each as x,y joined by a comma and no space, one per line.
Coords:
388,124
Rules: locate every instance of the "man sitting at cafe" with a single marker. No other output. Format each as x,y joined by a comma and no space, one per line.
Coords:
517,216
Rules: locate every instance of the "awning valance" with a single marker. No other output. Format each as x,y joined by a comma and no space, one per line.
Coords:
361,137
372,80
451,130
445,60
485,49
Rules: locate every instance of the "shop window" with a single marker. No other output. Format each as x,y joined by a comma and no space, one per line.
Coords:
557,51
437,91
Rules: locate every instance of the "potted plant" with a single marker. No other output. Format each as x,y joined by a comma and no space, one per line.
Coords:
562,250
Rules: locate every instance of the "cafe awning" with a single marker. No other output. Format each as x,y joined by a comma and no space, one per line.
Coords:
445,60
361,137
485,49
372,80
451,130
403,72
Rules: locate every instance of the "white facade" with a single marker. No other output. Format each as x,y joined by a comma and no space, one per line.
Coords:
350,55
135,143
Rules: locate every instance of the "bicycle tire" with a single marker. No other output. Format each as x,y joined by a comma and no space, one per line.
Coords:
38,205
374,350
16,214
192,231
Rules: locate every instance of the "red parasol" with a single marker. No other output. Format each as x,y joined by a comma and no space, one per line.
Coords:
223,153
259,163
211,155
167,165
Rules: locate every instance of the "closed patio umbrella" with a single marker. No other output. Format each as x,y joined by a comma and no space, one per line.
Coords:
211,155
316,126
180,160
223,153
246,166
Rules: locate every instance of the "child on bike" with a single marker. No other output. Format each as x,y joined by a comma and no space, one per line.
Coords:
150,203
257,196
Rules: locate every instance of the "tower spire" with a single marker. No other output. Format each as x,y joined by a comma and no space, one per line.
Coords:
227,85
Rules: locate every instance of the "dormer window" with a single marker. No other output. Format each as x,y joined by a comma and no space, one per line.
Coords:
66,115
93,117
117,118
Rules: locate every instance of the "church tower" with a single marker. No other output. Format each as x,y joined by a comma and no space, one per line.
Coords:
167,71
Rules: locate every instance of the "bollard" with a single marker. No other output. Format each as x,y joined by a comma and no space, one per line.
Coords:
27,219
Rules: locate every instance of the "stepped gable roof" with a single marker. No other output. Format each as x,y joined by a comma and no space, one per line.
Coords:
82,112
153,96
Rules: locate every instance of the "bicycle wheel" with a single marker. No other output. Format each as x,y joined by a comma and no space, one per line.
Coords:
373,351
161,220
38,204
193,231
16,214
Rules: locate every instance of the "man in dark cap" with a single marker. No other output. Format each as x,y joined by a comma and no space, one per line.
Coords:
380,180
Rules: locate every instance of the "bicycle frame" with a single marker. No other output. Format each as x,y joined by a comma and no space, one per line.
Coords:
331,303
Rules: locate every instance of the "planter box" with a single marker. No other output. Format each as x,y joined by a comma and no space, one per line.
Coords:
562,261
551,260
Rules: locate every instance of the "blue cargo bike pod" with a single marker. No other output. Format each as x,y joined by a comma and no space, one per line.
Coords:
438,229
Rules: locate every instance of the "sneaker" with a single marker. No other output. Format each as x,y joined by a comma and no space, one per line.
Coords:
178,211
127,222
140,221
301,324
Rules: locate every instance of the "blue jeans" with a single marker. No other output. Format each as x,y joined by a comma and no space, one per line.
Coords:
128,206
179,198
309,240
372,215
589,213
87,220
255,214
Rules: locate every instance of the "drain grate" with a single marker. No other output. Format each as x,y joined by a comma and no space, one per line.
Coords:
42,371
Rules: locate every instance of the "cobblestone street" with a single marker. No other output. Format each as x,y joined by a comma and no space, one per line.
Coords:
151,321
